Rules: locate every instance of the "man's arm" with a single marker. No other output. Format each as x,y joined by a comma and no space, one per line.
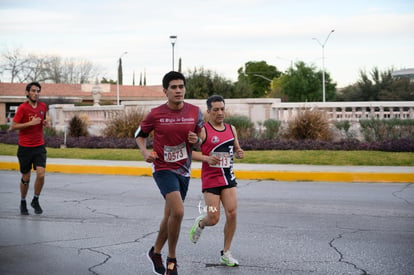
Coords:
18,126
149,156
237,149
211,160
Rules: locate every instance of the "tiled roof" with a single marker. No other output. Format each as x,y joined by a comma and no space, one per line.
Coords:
84,90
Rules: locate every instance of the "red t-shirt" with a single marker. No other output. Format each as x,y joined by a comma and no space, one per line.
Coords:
220,143
31,136
171,129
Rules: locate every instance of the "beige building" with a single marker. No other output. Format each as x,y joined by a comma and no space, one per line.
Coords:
13,94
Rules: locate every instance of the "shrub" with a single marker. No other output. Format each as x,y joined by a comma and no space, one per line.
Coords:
386,129
343,125
309,124
272,128
54,141
343,128
100,142
52,132
4,127
305,144
401,145
245,128
124,125
78,127
9,137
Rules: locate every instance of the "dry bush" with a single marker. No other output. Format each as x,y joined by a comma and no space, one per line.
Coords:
124,125
78,127
309,124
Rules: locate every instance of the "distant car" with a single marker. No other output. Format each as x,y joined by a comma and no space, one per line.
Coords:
10,116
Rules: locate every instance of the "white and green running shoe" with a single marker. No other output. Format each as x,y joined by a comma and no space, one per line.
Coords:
196,230
227,259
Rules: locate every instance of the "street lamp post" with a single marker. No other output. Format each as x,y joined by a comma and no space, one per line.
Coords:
323,62
173,39
264,77
117,79
282,58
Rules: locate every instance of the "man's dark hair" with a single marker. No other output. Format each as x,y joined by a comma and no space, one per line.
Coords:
34,83
171,76
214,98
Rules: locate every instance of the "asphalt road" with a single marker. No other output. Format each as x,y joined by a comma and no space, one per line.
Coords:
104,224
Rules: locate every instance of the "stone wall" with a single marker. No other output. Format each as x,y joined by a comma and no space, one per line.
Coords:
257,110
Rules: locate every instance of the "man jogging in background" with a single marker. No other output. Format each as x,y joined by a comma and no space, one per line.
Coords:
175,125
29,120
219,145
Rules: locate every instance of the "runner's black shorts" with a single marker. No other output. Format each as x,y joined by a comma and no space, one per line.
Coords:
217,190
31,157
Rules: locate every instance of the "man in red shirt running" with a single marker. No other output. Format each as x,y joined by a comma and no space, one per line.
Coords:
175,125
219,145
29,120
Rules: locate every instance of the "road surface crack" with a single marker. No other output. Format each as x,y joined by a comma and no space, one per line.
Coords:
341,256
108,256
395,194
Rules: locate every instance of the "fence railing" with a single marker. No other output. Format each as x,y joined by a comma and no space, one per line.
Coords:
351,111
257,110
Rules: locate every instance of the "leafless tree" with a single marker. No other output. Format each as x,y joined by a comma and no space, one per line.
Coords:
34,69
55,69
69,71
87,71
47,68
14,63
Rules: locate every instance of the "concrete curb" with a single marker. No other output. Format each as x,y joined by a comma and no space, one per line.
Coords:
256,172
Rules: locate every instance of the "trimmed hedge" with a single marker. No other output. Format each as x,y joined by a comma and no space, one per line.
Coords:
397,145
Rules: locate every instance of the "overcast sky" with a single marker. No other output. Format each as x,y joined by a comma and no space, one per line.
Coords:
219,35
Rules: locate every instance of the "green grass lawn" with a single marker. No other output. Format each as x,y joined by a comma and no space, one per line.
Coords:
312,157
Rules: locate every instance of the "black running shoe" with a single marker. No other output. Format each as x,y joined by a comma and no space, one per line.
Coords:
23,208
156,261
35,204
171,267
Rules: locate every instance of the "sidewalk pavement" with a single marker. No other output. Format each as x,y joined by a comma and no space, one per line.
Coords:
279,172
